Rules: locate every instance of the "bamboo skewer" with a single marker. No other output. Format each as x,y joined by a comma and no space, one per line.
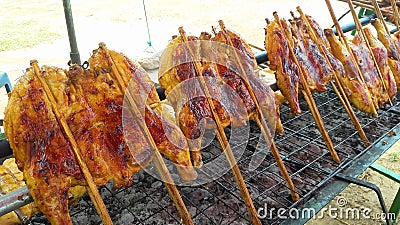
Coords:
339,91
221,136
395,13
342,38
378,11
361,33
158,161
92,188
380,16
367,5
308,96
260,119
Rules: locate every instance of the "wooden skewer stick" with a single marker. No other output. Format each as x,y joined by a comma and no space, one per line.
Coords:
362,35
342,38
93,191
221,136
309,98
367,5
260,119
380,16
395,13
158,161
339,91
378,11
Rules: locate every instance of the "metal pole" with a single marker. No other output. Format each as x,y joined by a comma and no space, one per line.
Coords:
74,54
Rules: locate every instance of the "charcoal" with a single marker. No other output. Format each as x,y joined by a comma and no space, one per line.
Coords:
220,201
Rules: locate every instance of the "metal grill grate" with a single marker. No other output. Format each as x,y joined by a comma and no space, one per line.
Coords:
219,202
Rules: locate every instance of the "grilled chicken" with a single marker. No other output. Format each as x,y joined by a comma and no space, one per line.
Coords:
11,179
318,31
246,60
287,73
355,88
381,57
321,73
369,71
168,137
92,104
392,45
192,111
221,67
302,53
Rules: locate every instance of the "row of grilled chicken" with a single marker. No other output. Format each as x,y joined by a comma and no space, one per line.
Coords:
109,137
109,141
367,92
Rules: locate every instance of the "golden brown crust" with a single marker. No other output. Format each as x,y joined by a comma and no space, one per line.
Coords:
92,105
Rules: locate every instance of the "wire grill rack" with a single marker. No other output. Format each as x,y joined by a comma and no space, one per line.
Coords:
219,202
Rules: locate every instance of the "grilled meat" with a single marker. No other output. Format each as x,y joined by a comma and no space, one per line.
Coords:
92,105
392,45
246,60
11,179
302,54
381,56
318,31
287,73
222,72
324,71
369,71
355,88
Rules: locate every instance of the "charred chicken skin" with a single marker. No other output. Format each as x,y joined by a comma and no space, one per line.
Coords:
222,73
355,88
287,73
369,71
381,56
92,104
318,73
392,45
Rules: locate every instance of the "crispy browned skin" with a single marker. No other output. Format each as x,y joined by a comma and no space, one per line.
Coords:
42,151
168,137
369,71
287,73
92,105
185,94
354,87
323,71
223,79
302,54
381,57
392,45
263,92
11,179
318,31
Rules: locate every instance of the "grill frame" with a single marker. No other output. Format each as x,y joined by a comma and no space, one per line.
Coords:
219,202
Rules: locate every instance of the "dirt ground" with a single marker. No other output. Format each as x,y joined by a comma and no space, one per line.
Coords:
36,29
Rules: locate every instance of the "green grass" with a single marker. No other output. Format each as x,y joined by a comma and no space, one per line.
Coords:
24,34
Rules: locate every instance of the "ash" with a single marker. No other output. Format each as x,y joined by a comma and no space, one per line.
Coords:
220,202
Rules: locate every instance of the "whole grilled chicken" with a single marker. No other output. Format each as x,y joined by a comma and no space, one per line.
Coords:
392,45
369,71
92,104
287,73
222,73
355,88
264,94
381,56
